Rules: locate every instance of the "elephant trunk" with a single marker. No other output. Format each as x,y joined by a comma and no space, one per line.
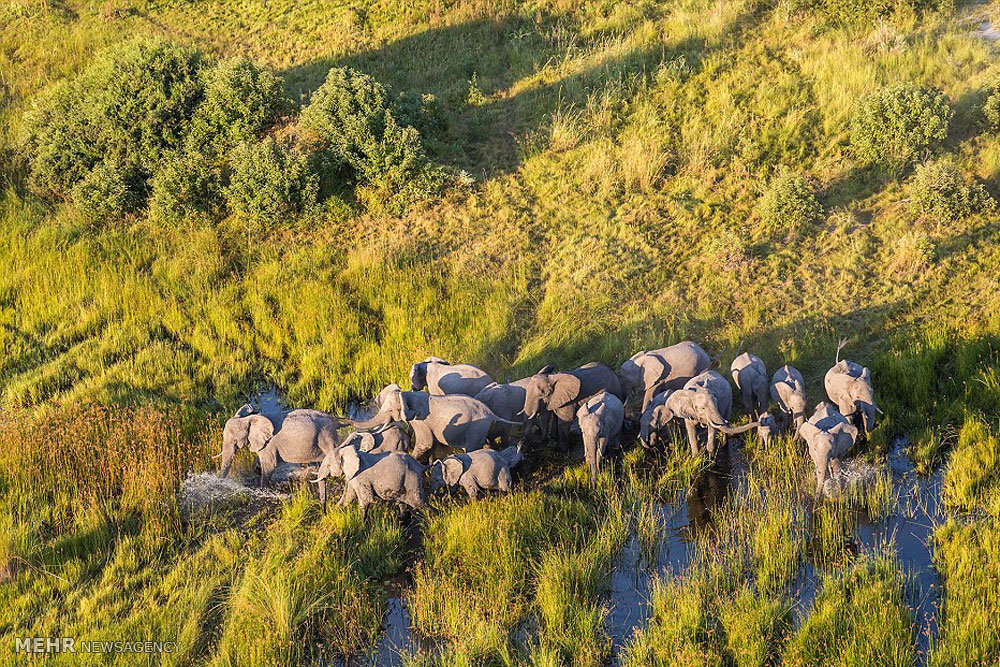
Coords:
378,420
867,416
228,453
728,430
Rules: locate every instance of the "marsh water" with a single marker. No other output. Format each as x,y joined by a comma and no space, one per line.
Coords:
906,529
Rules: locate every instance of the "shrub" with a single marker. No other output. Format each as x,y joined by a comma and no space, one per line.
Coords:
130,107
109,191
187,184
851,11
789,203
241,101
911,254
939,189
270,179
894,125
350,116
991,108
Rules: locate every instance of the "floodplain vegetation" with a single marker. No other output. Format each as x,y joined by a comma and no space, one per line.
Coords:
201,199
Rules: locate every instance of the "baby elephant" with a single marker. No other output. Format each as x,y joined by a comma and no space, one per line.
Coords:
767,428
393,438
829,436
395,477
481,470
654,420
750,376
600,419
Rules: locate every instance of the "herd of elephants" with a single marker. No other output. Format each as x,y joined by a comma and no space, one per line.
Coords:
464,409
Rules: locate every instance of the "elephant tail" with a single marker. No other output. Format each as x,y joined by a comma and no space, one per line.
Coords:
840,346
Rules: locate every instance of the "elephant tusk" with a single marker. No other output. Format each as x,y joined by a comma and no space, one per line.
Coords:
219,455
879,410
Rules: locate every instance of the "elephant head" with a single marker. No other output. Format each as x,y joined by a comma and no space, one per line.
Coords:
826,446
654,419
767,428
394,407
445,474
364,441
339,461
246,428
550,391
418,372
694,404
642,370
861,394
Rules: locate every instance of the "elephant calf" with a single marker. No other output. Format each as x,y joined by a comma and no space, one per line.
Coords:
829,436
654,420
750,376
393,438
481,470
600,418
788,390
767,428
395,477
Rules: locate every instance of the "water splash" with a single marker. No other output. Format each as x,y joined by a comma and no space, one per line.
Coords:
206,489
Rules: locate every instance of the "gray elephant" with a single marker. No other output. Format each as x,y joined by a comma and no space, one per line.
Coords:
653,420
560,393
395,477
303,436
601,417
442,378
788,390
829,436
666,368
507,401
457,421
750,376
767,428
393,438
481,470
346,461
849,385
707,401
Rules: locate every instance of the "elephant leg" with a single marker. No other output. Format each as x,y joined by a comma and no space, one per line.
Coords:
321,488
471,488
268,462
835,467
423,441
710,440
349,495
503,481
563,428
692,436
647,396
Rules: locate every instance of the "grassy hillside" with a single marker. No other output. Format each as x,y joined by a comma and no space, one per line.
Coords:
621,176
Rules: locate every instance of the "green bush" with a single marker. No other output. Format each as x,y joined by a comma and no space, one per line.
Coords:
350,116
241,101
132,106
187,184
271,179
991,108
789,203
852,11
938,189
109,191
894,125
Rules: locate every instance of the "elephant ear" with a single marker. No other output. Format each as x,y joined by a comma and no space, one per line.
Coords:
245,411
452,469
661,415
367,441
350,462
847,429
654,369
407,413
261,432
565,392
866,375
808,431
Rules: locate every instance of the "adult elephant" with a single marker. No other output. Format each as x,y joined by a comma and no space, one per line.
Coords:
706,400
667,368
457,421
442,378
303,436
849,386
507,401
788,390
829,436
560,393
